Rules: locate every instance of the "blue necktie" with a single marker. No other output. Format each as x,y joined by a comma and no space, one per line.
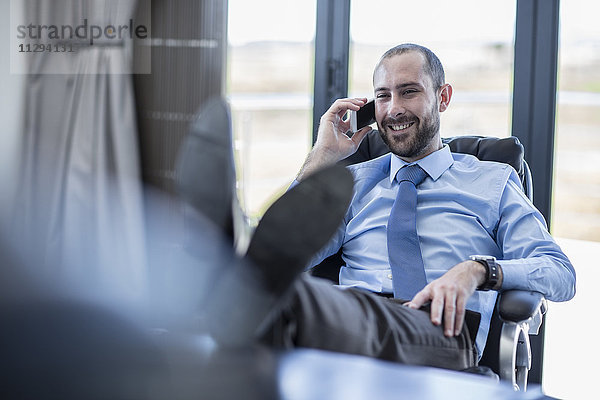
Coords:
406,262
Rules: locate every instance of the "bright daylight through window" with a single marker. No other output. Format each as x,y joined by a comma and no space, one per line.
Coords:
270,85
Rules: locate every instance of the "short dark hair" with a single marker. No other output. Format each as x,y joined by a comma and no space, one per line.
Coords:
433,65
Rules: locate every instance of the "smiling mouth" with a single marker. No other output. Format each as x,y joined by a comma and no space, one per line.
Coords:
400,127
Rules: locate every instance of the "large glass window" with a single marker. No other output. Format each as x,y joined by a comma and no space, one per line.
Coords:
568,370
473,39
576,212
270,85
270,81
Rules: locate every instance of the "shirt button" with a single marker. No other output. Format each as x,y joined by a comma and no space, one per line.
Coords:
389,276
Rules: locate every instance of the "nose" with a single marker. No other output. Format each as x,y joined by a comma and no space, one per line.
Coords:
396,107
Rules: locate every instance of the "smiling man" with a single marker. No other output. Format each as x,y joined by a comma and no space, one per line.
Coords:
462,207
409,224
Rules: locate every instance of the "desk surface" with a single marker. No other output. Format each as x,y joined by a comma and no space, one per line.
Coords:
312,374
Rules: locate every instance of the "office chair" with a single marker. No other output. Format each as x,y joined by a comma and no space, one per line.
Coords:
517,313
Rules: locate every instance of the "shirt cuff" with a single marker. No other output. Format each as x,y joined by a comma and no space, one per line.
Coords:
514,274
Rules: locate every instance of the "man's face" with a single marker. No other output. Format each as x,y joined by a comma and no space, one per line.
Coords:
407,107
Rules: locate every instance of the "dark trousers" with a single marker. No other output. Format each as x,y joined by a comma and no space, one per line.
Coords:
317,314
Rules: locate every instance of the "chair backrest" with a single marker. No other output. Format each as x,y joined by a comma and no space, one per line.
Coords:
506,150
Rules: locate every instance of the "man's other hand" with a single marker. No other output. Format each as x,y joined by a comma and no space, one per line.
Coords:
449,294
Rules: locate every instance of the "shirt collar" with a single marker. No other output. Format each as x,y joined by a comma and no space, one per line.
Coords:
435,164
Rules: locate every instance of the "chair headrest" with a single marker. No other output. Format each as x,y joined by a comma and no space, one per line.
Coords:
506,150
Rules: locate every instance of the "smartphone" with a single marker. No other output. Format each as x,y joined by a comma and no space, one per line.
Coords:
363,117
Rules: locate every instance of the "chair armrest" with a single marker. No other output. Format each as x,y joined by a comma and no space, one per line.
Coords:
522,315
519,305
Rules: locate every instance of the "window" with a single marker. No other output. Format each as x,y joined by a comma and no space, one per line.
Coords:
270,85
473,39
576,211
576,200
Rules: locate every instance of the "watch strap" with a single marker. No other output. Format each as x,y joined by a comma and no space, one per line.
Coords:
492,269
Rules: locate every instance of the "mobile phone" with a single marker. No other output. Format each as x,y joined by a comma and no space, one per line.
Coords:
363,117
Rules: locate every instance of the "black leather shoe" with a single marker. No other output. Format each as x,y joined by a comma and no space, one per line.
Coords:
292,230
205,166
298,225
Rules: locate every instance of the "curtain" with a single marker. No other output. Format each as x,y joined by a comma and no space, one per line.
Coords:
80,199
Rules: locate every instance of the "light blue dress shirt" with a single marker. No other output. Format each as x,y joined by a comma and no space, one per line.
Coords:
464,207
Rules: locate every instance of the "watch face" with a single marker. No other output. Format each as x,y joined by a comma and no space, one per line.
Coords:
482,258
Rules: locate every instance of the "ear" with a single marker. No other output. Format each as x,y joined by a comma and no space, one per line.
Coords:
445,96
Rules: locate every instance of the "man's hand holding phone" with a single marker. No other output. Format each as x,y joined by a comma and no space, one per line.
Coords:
335,133
334,141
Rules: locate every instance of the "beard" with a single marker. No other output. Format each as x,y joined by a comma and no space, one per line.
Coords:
411,145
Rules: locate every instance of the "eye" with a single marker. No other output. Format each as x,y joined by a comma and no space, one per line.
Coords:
382,95
410,91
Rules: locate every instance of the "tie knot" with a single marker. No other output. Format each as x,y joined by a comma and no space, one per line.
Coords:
412,173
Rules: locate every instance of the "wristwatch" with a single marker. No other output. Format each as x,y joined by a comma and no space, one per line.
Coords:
492,269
